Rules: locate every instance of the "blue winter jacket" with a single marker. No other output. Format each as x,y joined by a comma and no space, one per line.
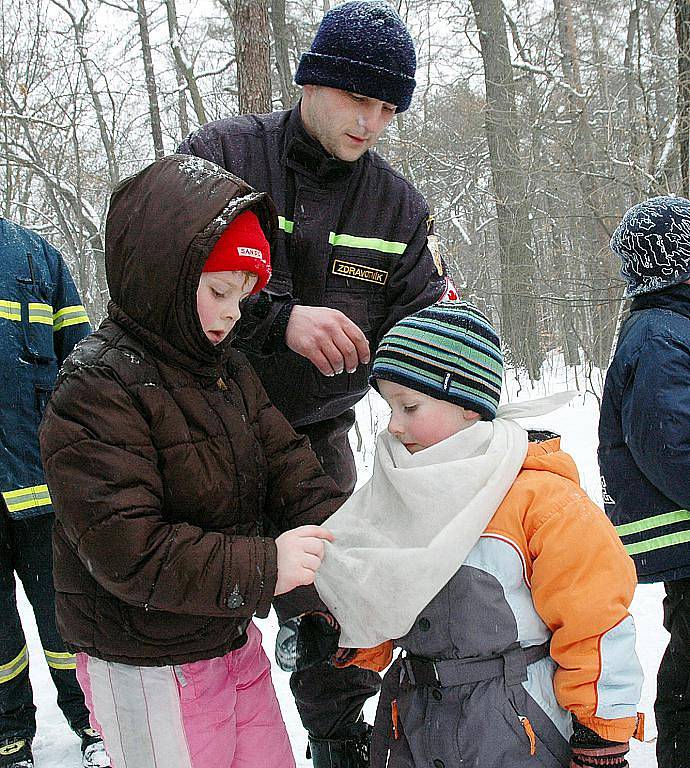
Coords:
644,435
41,319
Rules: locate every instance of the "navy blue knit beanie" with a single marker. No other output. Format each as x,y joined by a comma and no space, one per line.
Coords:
653,244
449,351
362,47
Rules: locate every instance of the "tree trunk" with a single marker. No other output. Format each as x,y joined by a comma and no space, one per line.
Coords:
252,52
583,153
151,87
682,12
184,72
86,66
519,308
288,93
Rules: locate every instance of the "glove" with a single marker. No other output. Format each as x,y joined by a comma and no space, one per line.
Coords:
592,751
307,640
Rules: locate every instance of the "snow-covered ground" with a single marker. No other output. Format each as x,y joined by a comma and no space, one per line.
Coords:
56,747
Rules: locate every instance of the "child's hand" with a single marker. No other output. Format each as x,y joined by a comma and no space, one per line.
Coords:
300,552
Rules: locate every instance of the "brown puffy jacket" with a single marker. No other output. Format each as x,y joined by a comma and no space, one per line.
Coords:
168,467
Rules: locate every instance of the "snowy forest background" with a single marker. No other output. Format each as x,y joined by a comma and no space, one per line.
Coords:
535,124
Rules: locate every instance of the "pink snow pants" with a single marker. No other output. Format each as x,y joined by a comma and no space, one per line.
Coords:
219,713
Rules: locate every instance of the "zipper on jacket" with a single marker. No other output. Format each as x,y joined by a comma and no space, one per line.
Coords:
529,731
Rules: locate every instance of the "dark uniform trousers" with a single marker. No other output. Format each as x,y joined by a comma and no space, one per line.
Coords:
330,700
25,548
672,706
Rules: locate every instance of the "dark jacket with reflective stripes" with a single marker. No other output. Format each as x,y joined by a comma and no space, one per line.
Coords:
41,319
353,237
644,435
168,466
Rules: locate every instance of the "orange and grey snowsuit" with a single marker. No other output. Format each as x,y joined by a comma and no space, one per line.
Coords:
479,684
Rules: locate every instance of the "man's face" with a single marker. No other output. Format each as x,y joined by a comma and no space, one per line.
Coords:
345,124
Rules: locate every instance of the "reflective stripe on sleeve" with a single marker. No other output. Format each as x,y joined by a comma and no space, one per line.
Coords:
41,313
10,310
62,660
285,224
676,525
26,498
67,316
371,243
13,668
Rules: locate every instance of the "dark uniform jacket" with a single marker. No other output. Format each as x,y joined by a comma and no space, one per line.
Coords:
644,435
165,458
41,319
353,237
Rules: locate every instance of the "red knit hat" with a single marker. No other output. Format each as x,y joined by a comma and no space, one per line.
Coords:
243,248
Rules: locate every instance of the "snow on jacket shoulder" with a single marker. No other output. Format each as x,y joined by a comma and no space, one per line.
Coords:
42,318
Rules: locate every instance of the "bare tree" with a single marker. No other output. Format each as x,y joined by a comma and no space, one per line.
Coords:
682,15
252,52
519,317
184,72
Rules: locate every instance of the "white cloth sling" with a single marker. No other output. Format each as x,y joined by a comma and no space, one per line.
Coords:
400,538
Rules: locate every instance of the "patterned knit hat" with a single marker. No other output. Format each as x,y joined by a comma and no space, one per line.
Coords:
653,244
362,47
449,351
242,247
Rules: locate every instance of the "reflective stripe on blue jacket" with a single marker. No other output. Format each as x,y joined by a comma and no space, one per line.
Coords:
41,319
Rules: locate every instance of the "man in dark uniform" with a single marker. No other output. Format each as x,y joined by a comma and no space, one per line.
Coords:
352,258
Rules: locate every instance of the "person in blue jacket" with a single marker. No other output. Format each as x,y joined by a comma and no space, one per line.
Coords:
644,439
41,319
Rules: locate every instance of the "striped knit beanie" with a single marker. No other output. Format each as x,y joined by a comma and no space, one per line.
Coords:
449,351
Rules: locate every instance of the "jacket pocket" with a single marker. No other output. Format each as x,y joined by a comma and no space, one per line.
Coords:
161,627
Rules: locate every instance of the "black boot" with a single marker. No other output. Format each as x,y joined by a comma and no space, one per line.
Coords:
347,752
16,753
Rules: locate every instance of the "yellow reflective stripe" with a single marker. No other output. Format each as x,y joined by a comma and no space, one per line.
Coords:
371,243
10,310
41,313
27,498
285,224
67,316
19,663
60,660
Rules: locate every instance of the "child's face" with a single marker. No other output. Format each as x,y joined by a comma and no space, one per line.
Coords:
418,420
218,300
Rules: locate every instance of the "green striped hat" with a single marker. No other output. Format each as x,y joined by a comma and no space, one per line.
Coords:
449,351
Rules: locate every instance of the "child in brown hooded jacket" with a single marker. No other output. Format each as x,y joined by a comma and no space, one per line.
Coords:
170,473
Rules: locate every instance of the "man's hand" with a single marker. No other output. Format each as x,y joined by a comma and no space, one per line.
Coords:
300,552
328,338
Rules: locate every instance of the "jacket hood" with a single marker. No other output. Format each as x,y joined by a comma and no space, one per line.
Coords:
161,226
549,457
